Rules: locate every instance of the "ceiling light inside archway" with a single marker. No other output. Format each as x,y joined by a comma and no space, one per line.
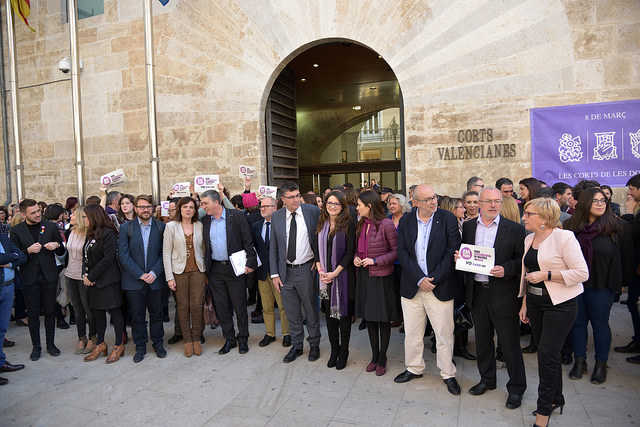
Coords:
303,80
316,65
357,107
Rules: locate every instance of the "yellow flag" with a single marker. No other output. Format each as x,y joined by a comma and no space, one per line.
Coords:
22,8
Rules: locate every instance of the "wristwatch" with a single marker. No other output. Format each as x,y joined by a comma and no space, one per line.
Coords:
549,275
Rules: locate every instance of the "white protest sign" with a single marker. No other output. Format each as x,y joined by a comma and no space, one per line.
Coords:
475,259
181,189
114,178
164,209
267,191
247,171
206,182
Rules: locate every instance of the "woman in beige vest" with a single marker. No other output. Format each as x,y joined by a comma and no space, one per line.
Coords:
183,256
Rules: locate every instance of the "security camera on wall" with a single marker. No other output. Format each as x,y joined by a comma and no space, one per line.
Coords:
65,65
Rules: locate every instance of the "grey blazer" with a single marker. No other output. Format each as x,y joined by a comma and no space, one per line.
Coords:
278,246
174,248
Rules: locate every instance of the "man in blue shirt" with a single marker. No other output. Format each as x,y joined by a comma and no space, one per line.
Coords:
140,253
10,258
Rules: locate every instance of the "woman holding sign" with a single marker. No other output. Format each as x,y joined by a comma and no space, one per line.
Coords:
553,270
183,258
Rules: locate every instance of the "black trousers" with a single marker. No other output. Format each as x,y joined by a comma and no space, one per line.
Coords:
117,320
139,302
550,326
41,297
230,295
494,311
19,305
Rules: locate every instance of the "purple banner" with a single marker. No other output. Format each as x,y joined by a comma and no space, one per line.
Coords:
589,141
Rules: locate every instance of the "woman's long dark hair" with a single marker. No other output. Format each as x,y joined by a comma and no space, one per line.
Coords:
372,199
344,217
608,222
98,222
121,218
533,185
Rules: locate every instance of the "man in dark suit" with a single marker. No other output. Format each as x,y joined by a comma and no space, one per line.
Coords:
39,240
10,258
494,299
226,231
262,240
427,240
291,259
140,253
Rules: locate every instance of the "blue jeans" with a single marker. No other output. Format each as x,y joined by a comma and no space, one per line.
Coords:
6,302
594,305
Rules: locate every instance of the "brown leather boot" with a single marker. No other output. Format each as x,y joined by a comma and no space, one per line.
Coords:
81,345
116,353
197,348
188,349
100,350
91,345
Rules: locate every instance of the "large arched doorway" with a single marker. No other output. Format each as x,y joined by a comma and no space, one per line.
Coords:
334,115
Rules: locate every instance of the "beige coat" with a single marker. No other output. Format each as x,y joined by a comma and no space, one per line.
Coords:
559,252
174,248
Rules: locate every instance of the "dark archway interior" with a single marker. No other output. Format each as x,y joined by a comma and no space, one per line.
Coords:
348,116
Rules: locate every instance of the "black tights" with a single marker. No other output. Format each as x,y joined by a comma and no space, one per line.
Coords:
100,318
379,335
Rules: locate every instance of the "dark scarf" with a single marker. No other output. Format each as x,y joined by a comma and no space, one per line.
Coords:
339,298
585,238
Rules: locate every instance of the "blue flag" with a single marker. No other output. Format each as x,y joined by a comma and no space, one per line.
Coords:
164,2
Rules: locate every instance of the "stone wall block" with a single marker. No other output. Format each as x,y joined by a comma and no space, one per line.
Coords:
593,42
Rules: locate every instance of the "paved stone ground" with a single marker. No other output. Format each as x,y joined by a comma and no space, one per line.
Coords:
257,389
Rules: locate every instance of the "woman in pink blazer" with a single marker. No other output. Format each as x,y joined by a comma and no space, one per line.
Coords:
553,269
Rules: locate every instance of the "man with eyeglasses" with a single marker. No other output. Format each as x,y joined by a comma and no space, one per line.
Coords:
268,294
292,251
427,240
140,254
475,183
493,299
226,232
505,185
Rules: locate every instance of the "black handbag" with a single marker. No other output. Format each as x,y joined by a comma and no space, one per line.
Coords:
462,317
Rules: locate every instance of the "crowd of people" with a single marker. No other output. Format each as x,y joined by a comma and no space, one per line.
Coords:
562,257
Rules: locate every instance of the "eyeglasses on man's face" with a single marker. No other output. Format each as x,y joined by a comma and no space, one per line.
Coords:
295,196
144,207
427,199
492,202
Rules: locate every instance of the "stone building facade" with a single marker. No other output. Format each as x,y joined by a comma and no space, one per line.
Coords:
461,65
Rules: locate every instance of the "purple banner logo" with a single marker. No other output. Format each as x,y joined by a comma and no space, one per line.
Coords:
465,253
599,141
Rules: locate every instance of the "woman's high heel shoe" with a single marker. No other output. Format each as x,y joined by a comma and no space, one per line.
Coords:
553,408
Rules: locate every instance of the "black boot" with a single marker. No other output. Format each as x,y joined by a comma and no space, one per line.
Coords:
345,336
334,340
461,337
599,375
579,368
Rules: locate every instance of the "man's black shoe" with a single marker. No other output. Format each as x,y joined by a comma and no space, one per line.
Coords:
464,353
452,386
406,376
480,388
292,355
513,401
62,324
362,325
266,341
567,359
531,348
4,381
634,359
139,356
53,350
243,346
286,341
314,353
8,367
35,353
174,339
632,347
201,339
160,351
8,343
228,345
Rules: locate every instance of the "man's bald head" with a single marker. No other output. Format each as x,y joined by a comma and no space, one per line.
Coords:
424,198
490,193
423,191
490,204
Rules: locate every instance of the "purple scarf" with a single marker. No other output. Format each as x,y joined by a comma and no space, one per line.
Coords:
363,240
585,238
339,298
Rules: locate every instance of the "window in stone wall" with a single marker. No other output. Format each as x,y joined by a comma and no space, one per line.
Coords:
86,9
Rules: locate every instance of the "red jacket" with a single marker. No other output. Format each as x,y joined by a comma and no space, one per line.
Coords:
383,246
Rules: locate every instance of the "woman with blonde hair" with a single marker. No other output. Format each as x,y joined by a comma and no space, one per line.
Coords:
76,237
553,270
510,210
